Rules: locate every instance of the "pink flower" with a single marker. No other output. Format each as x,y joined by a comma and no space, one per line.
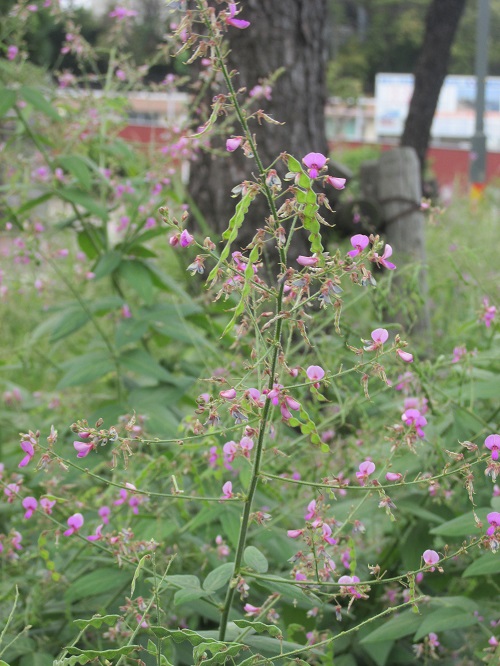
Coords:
75,522
47,505
28,449
314,162
83,448
393,476
230,394
11,490
233,143
186,239
12,52
311,510
405,356
120,75
379,336
307,261
251,610
337,183
123,497
236,23
294,534
16,540
359,243
365,469
494,521
327,534
104,513
488,313
430,558
121,13
97,536
414,417
458,353
246,444
383,260
31,505
433,639
492,442
315,373
227,490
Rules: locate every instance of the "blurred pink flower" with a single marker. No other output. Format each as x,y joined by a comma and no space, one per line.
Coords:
75,522
492,442
236,23
314,162
359,243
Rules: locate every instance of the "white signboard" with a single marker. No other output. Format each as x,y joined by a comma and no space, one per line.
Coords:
455,114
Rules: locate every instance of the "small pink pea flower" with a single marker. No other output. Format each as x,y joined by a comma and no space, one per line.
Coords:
414,417
315,373
123,497
337,183
47,505
12,52
327,534
393,476
494,521
121,13
489,312
251,610
28,449
294,534
314,162
430,557
75,522
31,505
359,243
405,356
379,336
120,75
83,448
311,511
97,536
230,394
492,442
383,260
186,239
241,24
433,639
227,490
307,261
233,143
458,353
104,513
16,540
365,469
11,490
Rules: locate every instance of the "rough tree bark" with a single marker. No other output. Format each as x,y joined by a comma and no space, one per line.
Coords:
442,19
283,33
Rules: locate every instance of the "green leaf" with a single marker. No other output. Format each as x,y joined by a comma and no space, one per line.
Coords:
38,102
137,572
129,331
142,363
487,564
181,635
255,559
231,232
80,198
220,652
62,325
33,203
401,625
294,165
86,368
260,627
445,619
218,577
97,621
184,596
104,654
96,582
86,244
139,278
78,168
107,264
461,526
7,100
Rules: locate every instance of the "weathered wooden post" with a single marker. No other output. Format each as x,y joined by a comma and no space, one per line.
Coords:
399,192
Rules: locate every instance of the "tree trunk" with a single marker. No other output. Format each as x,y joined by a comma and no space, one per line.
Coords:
441,24
283,33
